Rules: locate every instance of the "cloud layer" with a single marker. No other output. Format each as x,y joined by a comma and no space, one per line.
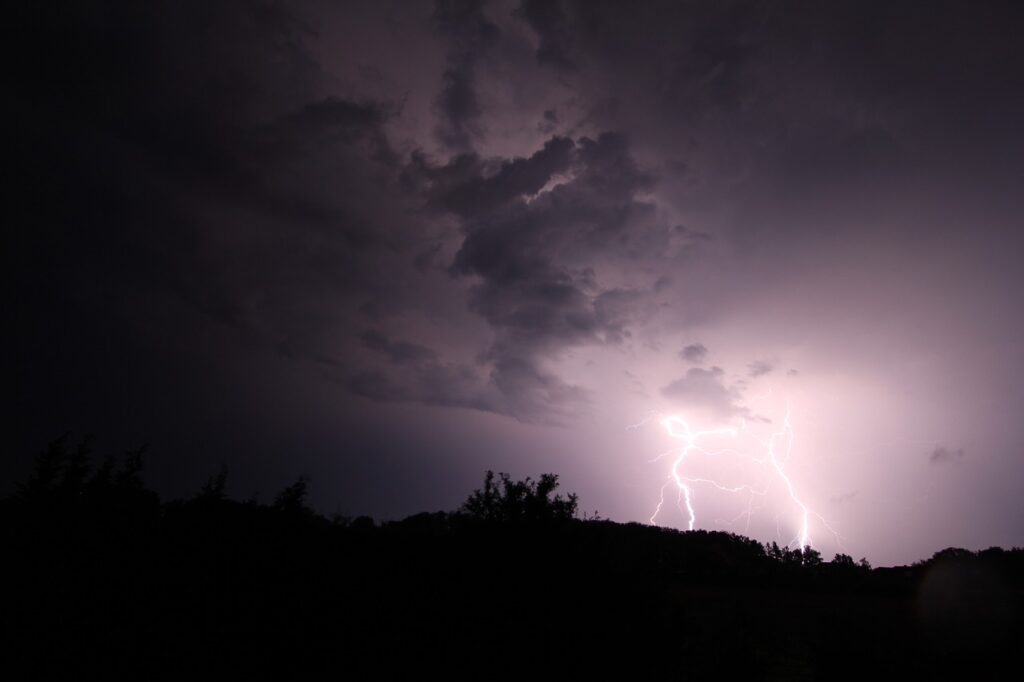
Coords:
298,226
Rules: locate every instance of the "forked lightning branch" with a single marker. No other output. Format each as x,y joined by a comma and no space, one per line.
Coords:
778,451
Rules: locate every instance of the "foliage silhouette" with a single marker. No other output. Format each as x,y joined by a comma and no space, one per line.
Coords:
48,467
215,487
292,499
505,500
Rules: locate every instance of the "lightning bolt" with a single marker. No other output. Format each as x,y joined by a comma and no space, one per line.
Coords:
680,429
786,432
779,448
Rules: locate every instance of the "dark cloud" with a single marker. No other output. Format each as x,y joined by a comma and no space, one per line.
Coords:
335,114
943,454
796,104
531,392
464,186
335,120
399,352
695,353
551,24
759,368
527,254
532,290
186,180
549,122
427,383
414,373
508,380
469,34
202,171
228,217
705,389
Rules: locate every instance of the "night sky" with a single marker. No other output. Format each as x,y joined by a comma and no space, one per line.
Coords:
391,245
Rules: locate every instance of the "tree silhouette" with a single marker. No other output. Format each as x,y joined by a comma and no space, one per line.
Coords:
503,499
77,469
810,557
844,560
293,498
215,486
130,475
46,471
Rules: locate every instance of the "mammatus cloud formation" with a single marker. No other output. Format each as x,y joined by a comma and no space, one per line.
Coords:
294,227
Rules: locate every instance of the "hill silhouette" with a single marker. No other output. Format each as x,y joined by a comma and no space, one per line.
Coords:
104,578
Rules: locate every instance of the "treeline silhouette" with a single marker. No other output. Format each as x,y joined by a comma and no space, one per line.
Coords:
103,578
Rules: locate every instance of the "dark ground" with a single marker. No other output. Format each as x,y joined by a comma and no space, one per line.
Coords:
104,580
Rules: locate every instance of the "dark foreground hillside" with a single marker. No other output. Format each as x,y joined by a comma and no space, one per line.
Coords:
104,579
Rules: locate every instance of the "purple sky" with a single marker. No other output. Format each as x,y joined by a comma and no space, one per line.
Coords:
393,244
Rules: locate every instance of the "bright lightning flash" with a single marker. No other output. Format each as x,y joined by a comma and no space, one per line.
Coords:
787,433
779,449
680,429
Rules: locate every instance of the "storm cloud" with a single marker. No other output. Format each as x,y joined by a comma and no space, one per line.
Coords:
705,389
395,244
695,353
